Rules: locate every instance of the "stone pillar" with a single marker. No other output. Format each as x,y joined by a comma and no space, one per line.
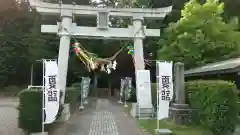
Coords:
65,37
138,43
179,110
179,82
138,33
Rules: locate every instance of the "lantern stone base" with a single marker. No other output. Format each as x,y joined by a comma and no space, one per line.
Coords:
180,114
65,113
141,113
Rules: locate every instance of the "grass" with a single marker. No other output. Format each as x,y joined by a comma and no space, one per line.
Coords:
151,125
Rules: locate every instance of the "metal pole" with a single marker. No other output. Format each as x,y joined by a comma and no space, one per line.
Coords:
157,104
81,104
158,93
31,83
43,99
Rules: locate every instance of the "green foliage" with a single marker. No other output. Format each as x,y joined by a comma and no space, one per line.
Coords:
76,85
214,103
19,40
30,110
200,36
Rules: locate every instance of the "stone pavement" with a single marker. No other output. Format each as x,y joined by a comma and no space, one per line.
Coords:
9,116
103,117
237,130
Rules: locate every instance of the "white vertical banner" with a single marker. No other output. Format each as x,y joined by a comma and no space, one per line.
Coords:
144,93
85,84
123,81
164,88
128,88
52,91
88,84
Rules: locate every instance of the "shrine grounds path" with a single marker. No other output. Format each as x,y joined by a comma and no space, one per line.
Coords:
103,117
9,116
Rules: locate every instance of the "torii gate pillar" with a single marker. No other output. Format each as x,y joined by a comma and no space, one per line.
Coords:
138,43
63,55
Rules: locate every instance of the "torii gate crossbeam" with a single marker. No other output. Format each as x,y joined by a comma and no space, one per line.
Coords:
45,8
95,33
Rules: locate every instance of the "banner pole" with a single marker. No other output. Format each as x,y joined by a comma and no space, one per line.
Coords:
157,108
81,104
43,98
158,93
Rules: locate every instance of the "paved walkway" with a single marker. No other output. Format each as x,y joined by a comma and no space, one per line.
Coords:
103,117
9,117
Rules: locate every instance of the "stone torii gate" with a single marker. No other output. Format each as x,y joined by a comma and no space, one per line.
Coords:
66,28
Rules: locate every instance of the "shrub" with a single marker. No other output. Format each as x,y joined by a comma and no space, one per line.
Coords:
72,95
214,103
30,108
76,85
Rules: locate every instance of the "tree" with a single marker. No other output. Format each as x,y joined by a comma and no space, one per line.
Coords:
200,36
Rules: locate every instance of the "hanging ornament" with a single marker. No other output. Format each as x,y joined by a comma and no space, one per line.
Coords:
76,50
76,47
130,47
131,52
76,44
102,67
114,65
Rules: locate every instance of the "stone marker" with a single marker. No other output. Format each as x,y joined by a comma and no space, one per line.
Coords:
179,110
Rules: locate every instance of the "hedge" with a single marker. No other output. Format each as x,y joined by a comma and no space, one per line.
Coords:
77,85
72,95
215,104
30,108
